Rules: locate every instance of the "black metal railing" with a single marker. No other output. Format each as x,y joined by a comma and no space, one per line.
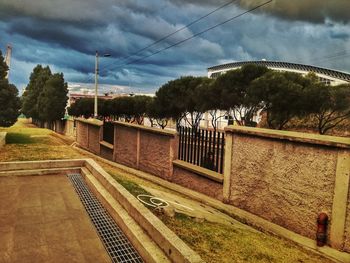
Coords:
202,147
108,132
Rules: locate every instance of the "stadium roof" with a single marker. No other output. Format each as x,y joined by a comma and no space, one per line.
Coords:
275,64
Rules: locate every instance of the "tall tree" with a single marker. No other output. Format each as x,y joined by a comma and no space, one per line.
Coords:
283,95
178,100
82,107
30,97
140,104
3,67
331,106
209,100
53,98
155,114
9,101
232,88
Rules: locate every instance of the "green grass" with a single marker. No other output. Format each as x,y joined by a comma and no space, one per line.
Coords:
217,243
132,187
19,138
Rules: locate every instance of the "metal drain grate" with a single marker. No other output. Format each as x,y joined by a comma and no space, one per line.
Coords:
118,246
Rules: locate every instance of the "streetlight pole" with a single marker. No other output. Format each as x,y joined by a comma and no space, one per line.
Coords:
96,83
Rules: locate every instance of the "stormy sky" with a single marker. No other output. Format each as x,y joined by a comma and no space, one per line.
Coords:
65,34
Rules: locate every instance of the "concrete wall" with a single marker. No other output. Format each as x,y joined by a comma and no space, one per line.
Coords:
144,148
125,145
195,178
2,139
106,152
347,229
157,153
89,135
285,177
94,138
82,134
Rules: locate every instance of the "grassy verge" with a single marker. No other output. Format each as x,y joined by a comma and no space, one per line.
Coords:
219,243
24,142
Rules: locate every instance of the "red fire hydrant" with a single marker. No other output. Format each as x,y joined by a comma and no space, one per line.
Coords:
321,234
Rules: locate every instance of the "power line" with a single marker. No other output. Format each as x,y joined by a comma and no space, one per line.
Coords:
330,55
195,35
173,33
344,53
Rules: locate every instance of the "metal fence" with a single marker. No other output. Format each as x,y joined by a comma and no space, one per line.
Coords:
108,132
202,147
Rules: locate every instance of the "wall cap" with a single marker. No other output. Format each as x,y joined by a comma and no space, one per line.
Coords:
200,171
107,145
311,138
145,128
90,121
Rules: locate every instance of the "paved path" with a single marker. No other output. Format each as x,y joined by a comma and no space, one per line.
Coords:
43,220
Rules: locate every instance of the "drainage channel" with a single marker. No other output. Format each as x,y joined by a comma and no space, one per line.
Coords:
116,243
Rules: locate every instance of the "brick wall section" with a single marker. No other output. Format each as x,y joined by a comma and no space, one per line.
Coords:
106,153
125,145
82,134
147,149
155,156
197,183
94,138
287,184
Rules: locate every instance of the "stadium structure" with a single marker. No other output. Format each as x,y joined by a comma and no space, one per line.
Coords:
328,76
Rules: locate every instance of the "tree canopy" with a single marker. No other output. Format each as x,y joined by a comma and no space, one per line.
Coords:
45,97
9,101
241,94
233,87
53,98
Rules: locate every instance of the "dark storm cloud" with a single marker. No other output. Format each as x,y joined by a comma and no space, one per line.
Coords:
315,11
65,34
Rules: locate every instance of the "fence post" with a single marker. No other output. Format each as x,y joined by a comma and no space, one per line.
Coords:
115,143
227,166
138,137
340,199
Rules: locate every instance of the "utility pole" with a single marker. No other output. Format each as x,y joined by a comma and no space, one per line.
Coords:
96,84
8,59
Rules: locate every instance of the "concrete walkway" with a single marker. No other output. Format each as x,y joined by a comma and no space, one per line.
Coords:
43,220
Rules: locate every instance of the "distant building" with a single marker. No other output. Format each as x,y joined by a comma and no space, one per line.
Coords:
328,76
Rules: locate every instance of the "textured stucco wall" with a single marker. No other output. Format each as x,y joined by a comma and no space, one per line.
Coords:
125,145
82,134
288,183
347,228
155,154
94,138
197,182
